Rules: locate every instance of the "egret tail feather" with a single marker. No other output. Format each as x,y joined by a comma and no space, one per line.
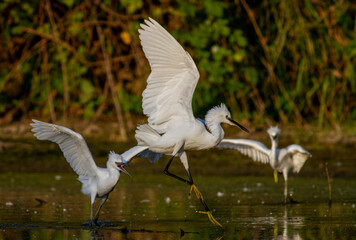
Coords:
145,135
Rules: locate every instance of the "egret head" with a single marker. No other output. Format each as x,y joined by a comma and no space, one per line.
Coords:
274,132
117,162
221,114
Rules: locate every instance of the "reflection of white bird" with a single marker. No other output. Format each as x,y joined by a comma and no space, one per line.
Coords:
96,182
167,101
281,160
288,222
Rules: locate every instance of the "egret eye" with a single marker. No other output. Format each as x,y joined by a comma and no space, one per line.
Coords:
227,116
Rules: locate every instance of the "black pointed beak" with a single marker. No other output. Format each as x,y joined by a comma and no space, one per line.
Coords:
239,125
121,167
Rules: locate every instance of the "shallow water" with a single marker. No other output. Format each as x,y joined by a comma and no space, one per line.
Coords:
157,207
40,197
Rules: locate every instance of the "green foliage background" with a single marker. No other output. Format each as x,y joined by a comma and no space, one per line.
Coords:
284,61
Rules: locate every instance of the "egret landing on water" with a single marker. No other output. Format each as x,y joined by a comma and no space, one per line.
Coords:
96,182
172,128
281,160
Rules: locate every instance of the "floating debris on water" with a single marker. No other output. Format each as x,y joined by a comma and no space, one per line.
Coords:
220,194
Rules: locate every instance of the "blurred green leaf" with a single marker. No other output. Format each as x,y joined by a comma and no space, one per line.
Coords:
89,110
87,91
28,8
187,8
239,55
16,30
132,5
238,38
251,75
68,3
214,8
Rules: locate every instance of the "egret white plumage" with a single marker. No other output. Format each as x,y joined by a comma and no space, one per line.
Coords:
282,160
96,182
172,128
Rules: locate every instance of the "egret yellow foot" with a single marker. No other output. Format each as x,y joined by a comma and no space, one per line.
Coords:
211,218
196,191
275,174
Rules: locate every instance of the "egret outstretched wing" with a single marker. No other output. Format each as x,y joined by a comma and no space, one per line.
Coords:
256,150
171,84
132,152
297,154
72,144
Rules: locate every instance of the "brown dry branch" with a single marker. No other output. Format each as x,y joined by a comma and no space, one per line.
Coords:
102,105
62,60
111,83
329,182
27,54
120,17
50,94
270,64
58,41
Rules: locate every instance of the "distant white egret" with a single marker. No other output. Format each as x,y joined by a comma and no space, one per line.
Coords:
96,182
282,160
172,128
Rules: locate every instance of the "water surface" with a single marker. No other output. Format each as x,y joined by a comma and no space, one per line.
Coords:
40,197
157,207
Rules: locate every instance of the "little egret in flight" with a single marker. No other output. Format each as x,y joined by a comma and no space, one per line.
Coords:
96,182
281,160
172,128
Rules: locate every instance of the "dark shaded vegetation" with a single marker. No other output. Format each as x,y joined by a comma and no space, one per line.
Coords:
270,61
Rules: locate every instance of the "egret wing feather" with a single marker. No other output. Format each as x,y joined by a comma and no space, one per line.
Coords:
256,150
174,76
297,154
72,144
132,152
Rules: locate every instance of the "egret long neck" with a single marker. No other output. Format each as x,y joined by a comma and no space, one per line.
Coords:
274,160
112,171
215,129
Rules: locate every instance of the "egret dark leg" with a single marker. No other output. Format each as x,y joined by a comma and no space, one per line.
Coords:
93,222
285,175
196,191
91,212
103,200
175,176
285,192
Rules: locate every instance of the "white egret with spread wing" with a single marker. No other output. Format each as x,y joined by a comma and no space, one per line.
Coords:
282,160
172,128
96,182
